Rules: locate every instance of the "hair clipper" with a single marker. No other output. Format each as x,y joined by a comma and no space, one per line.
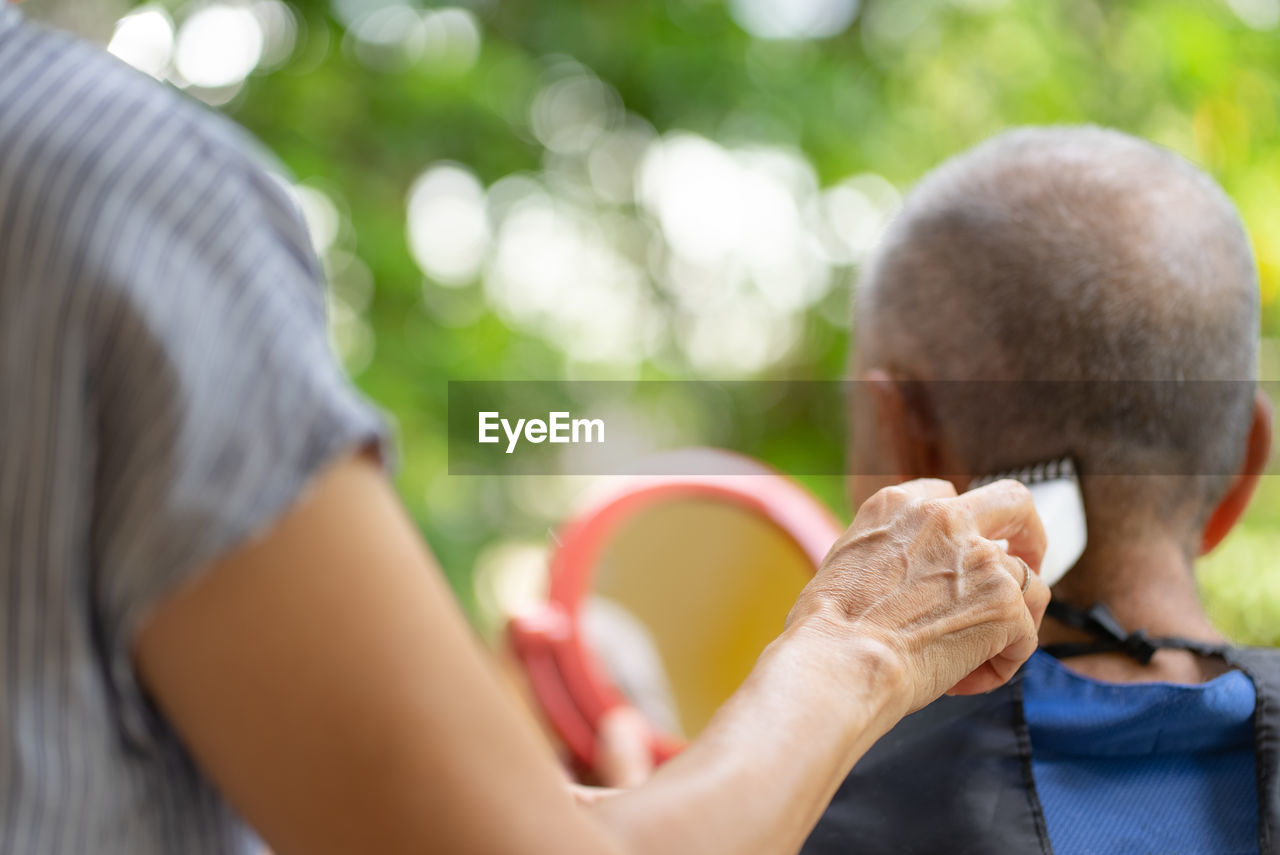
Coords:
1055,490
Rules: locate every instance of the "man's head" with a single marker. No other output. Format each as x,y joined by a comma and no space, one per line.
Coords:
1055,267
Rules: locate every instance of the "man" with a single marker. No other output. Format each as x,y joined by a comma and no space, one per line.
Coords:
1098,295
214,614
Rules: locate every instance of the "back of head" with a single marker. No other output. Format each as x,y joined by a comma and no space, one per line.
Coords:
1098,296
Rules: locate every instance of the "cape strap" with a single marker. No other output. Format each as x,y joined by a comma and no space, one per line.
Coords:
1111,637
1263,667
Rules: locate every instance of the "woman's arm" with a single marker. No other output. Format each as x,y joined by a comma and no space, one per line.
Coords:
760,775
324,679
885,627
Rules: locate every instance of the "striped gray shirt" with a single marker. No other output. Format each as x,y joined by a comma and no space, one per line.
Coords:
166,389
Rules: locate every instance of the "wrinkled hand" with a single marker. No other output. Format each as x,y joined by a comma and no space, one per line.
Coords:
919,573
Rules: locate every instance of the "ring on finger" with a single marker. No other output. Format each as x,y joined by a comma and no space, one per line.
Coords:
1026,574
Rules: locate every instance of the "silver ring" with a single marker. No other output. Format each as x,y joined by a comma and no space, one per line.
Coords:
1026,574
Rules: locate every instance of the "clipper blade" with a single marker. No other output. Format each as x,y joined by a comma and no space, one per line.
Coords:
1055,490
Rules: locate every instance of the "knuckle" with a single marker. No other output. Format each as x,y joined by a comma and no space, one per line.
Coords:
882,500
996,575
1011,596
983,546
1013,599
1014,489
893,496
987,555
886,502
943,517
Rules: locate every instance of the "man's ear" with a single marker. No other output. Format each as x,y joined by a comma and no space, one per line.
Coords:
905,425
1257,451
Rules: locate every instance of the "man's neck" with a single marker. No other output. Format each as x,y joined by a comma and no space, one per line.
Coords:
1147,585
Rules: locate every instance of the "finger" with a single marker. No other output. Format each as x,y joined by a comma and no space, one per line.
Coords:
1000,668
623,758
983,679
929,488
1022,572
1037,599
1035,593
1004,511
888,502
997,671
1025,640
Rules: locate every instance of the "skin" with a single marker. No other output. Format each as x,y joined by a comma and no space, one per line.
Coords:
1147,581
623,755
324,679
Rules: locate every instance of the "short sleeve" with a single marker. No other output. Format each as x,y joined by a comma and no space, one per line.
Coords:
216,395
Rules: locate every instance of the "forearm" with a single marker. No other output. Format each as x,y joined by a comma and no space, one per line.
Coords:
353,712
759,777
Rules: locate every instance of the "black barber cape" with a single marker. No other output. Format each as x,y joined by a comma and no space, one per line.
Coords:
955,778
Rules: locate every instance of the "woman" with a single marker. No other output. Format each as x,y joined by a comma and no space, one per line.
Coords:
216,615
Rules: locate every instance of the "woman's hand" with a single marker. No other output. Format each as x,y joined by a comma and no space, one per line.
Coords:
919,574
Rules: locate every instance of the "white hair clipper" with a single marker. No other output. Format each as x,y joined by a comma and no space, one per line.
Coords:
1055,490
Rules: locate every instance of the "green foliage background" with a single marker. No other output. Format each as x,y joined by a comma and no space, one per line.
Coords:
907,84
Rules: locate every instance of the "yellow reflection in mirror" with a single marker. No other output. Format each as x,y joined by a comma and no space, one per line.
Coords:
712,583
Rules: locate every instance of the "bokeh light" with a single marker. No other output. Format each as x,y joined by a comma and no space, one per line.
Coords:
1258,14
448,227
451,40
854,214
279,26
554,272
794,19
321,216
144,39
218,46
678,189
394,36
390,38
571,112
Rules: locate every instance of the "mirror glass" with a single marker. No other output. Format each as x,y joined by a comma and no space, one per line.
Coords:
686,596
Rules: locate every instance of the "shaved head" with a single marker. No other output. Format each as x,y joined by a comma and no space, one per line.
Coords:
1081,255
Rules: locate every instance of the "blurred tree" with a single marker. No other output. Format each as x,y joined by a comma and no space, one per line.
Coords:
681,188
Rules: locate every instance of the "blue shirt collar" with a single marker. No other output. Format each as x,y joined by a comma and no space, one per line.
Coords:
1073,714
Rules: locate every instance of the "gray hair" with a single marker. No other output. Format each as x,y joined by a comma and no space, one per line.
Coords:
1107,266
